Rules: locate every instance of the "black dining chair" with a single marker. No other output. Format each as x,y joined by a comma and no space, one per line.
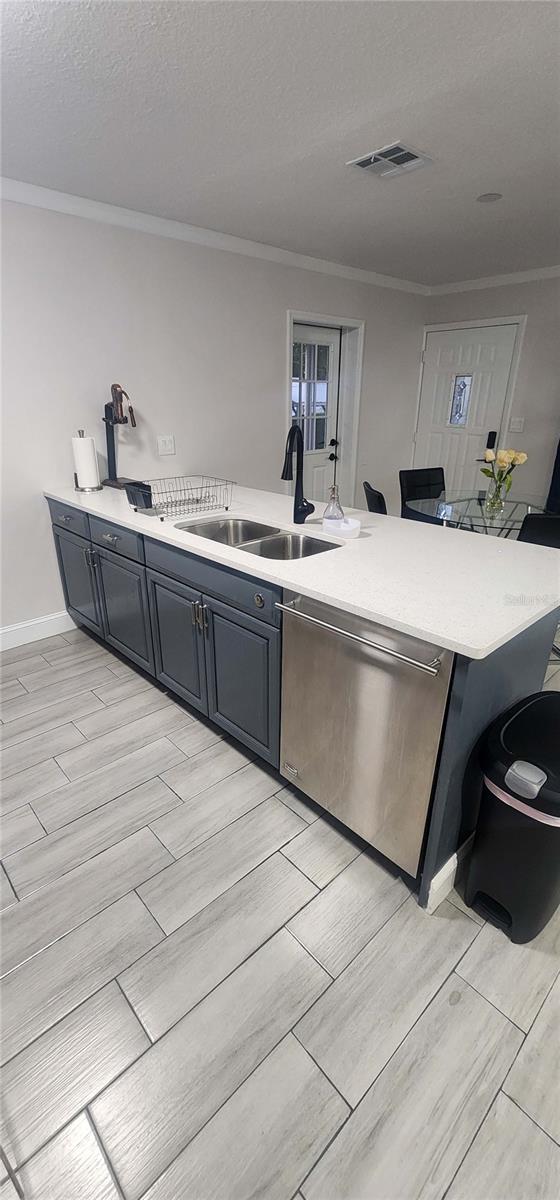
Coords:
543,529
425,483
375,500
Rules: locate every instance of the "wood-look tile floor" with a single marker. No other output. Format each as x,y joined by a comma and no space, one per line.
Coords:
209,993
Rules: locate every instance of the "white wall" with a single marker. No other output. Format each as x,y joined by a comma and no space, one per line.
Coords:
198,338
537,392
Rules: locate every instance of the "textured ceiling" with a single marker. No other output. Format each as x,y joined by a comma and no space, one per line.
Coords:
240,116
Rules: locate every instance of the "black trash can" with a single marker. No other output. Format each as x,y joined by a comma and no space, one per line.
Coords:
514,873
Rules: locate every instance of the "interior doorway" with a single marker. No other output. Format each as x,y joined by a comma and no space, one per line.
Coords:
324,372
468,374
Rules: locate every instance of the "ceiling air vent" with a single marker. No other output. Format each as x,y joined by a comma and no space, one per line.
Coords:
390,160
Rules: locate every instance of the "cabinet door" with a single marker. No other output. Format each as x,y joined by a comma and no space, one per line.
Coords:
178,642
124,595
243,673
75,561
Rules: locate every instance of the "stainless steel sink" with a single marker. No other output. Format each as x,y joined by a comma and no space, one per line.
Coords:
288,545
228,530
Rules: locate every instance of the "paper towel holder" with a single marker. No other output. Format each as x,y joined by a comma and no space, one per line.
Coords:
77,488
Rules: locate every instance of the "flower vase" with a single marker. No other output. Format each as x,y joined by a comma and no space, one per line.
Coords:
495,499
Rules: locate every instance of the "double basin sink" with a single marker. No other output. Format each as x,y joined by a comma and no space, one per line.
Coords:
265,540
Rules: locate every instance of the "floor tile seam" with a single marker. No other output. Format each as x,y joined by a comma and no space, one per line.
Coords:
191,759
526,1033
103,1153
541,1006
206,840
417,1019
85,1000
475,1135
372,938
176,1156
80,689
79,924
528,1114
218,984
450,899
322,1069
92,858
374,1081
97,807
311,955
30,766
492,1004
116,979
91,743
293,864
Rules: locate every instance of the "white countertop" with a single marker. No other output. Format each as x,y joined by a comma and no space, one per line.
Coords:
462,591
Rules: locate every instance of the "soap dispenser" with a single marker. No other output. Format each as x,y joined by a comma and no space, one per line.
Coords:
334,510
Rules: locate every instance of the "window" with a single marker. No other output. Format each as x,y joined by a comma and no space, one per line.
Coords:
460,398
310,392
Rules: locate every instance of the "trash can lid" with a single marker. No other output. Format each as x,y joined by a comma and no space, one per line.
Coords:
521,751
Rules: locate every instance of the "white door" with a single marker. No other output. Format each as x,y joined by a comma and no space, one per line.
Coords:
315,379
462,399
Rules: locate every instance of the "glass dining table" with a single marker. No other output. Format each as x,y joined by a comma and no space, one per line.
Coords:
462,511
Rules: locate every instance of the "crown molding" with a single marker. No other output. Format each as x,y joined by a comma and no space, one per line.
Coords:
492,281
127,218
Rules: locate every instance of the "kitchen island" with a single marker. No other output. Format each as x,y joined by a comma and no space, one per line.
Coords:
417,606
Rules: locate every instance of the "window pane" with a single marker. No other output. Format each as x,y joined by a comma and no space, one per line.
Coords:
320,431
321,397
295,400
308,361
322,362
296,360
460,398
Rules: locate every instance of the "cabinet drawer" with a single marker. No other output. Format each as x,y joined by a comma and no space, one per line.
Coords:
69,518
251,595
115,538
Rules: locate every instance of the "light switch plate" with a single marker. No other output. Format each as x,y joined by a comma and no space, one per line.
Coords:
166,443
517,424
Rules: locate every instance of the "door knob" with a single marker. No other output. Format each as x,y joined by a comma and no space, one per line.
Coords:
333,457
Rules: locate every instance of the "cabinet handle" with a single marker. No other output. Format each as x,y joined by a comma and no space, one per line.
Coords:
66,517
112,538
194,607
205,617
431,668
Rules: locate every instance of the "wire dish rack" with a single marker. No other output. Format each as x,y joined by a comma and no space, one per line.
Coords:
179,495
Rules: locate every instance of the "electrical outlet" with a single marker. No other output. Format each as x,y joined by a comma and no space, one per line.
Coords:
166,443
517,424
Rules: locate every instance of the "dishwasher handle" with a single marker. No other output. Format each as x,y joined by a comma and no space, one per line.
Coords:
431,668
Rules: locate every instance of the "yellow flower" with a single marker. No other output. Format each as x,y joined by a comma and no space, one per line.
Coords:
489,456
504,458
519,457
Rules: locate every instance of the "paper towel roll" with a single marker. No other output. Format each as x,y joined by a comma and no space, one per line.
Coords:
85,462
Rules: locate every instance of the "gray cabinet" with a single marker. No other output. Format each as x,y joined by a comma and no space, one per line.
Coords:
124,597
209,634
178,646
81,594
243,676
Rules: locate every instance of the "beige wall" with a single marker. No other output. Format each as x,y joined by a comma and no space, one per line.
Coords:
537,391
198,338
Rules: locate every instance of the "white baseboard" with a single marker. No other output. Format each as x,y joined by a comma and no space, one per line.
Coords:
33,631
443,882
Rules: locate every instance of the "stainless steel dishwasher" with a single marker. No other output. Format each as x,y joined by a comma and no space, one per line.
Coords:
362,715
